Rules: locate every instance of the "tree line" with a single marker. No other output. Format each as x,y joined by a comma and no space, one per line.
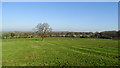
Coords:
104,34
43,30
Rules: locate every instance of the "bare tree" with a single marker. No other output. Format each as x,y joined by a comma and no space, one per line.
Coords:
43,29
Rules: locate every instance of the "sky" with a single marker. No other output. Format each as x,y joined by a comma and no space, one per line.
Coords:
0,16
61,16
59,0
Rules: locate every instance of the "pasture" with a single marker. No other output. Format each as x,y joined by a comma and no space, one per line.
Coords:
59,51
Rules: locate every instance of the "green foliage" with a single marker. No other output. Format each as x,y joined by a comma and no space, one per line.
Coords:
43,29
103,35
12,34
59,51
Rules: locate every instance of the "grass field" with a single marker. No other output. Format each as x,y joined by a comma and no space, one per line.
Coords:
60,52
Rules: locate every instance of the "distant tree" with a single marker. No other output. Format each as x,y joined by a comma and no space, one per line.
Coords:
12,35
43,29
69,34
110,34
96,35
118,33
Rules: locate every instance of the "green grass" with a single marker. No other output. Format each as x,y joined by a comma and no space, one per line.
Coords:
0,53
60,52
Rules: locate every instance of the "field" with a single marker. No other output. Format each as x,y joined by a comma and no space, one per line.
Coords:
59,52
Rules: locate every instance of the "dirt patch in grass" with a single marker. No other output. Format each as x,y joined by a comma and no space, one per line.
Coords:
31,56
35,46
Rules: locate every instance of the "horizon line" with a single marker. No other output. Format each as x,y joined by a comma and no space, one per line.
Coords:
61,31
